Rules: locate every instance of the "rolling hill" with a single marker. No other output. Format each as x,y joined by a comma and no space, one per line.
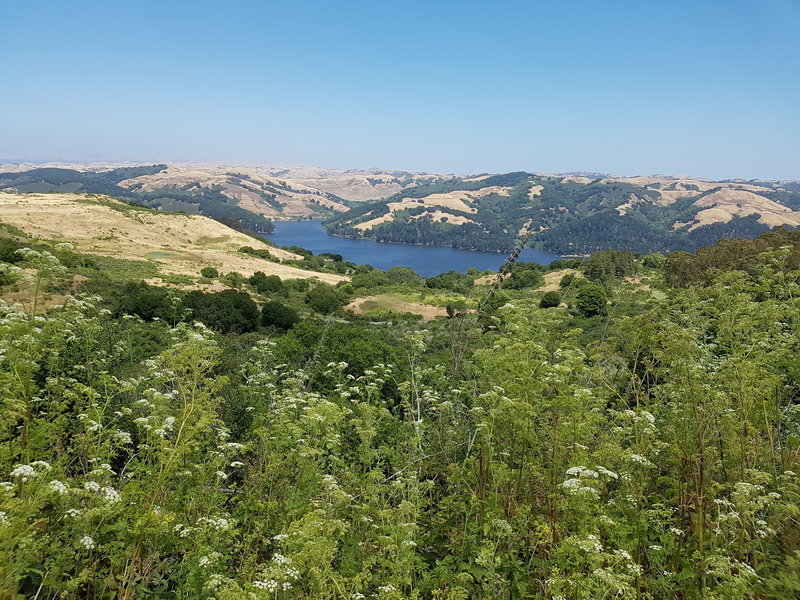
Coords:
176,244
574,214
250,194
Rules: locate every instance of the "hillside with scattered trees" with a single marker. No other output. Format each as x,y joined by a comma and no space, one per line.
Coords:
573,215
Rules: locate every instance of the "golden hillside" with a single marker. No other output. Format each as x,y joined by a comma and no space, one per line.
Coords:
179,244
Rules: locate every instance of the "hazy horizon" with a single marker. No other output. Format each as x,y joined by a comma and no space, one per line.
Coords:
699,89
178,162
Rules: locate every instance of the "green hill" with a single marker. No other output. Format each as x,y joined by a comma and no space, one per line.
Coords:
573,214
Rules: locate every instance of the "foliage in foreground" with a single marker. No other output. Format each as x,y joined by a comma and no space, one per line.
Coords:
145,460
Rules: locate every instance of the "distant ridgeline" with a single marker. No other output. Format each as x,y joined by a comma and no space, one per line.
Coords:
573,214
191,198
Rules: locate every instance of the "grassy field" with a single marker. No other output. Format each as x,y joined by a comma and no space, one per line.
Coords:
394,303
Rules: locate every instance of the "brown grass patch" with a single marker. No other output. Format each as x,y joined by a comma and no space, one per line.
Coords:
552,279
395,303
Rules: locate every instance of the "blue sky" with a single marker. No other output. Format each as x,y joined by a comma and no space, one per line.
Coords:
705,87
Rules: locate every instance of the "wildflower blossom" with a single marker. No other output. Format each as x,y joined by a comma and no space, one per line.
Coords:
122,437
58,487
218,523
110,495
216,581
87,542
24,472
607,472
270,585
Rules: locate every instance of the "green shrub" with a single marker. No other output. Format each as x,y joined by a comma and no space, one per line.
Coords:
265,284
209,273
324,299
276,314
566,280
230,311
550,300
591,300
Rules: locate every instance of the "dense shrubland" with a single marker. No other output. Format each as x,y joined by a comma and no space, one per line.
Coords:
632,440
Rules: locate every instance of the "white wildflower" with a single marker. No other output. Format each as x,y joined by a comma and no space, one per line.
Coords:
607,472
270,585
87,542
110,495
58,487
23,472
218,523
122,437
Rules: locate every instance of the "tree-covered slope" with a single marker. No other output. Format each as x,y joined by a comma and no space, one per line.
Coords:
573,214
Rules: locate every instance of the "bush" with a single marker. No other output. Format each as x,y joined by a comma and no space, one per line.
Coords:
145,301
323,299
654,261
265,284
233,280
276,314
550,300
404,276
229,311
452,280
605,265
370,280
566,280
209,273
8,249
524,278
591,300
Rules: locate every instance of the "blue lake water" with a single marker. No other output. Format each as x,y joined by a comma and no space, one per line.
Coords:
425,260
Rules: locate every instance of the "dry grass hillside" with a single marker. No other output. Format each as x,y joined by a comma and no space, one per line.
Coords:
179,244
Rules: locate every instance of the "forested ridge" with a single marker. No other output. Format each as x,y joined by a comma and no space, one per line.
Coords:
561,214
622,426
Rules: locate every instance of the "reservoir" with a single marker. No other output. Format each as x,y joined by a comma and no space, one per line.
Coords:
425,260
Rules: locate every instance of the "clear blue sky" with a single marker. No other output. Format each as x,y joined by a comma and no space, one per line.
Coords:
702,87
